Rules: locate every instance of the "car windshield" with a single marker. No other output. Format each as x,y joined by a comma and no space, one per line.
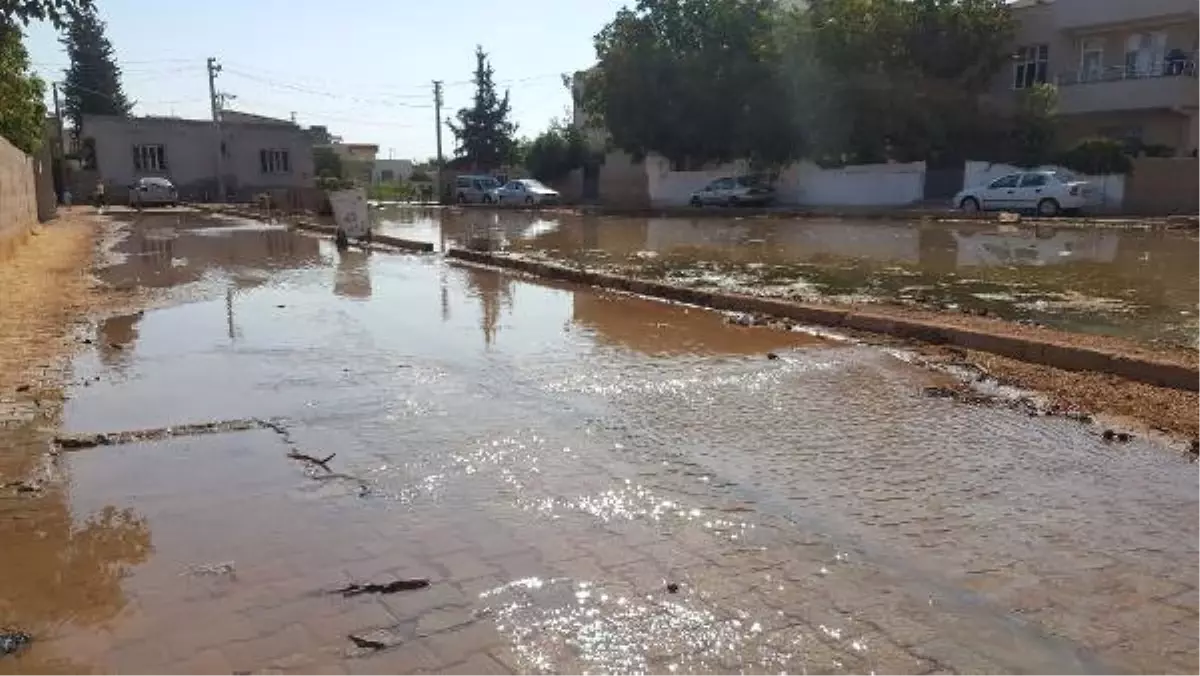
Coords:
1064,176
533,184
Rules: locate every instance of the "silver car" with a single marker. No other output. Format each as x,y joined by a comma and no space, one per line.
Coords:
525,191
733,191
474,189
152,191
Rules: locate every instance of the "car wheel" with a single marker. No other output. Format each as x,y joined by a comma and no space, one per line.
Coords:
733,201
696,202
462,199
969,205
1047,207
487,199
529,201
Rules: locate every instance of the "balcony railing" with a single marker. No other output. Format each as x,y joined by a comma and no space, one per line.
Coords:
1166,68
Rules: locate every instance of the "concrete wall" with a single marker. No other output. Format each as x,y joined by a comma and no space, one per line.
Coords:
18,197
1110,188
1163,186
190,149
623,182
859,185
803,183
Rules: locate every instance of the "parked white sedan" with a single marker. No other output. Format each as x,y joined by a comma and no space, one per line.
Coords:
525,191
1046,192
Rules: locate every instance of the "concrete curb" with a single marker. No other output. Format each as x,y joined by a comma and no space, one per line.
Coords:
399,243
1033,350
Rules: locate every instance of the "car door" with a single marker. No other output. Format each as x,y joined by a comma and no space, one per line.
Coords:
1032,189
1001,193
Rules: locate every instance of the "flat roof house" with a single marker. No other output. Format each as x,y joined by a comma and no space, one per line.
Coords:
1125,69
258,153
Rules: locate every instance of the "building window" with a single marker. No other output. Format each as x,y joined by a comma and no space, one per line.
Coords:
1030,66
1144,53
1091,59
387,175
274,161
149,158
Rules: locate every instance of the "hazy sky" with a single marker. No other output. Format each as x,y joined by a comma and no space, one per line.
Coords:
361,67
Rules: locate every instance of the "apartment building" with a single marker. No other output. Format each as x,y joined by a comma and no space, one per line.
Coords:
1125,69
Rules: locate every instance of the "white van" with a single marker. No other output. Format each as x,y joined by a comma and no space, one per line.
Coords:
474,189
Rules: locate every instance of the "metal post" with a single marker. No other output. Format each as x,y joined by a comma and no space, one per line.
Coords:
213,69
62,147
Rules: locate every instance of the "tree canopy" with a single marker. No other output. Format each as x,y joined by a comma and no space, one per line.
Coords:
838,80
55,11
556,152
22,112
693,80
93,80
484,132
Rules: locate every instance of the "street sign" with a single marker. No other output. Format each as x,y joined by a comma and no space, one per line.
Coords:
350,212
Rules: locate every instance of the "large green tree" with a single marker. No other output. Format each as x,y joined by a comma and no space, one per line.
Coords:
93,81
484,132
901,79
693,80
556,152
22,111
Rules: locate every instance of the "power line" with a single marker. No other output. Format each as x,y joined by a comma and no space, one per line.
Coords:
315,92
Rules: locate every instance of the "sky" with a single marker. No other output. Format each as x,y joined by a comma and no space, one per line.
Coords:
362,68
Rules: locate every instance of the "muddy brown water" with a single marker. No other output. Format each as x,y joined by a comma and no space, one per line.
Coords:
1136,283
591,483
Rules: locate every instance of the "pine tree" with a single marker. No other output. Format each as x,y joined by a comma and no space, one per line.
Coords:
93,82
485,134
22,113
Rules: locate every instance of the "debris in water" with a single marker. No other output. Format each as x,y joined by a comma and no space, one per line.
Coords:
1194,448
281,306
940,392
384,588
1111,435
672,587
772,356
1124,436
12,642
22,388
223,568
322,462
376,639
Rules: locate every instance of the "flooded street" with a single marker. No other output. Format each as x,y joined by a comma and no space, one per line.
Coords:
1133,283
589,482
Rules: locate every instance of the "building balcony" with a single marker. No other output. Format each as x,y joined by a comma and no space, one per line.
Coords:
1169,85
1079,15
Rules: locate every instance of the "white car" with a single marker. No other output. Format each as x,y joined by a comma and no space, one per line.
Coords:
1046,192
152,191
525,191
731,191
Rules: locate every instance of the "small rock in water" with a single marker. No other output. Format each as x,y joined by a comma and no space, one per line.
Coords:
672,587
772,356
12,642
1194,448
22,388
941,392
1109,435
1124,436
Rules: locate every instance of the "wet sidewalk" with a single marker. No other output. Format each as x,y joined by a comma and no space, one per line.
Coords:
589,482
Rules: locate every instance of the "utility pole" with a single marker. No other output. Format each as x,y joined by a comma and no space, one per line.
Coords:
437,114
62,147
213,69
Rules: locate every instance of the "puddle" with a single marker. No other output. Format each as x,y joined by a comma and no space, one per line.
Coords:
1135,283
813,512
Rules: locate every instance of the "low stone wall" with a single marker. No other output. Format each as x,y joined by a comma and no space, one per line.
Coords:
1045,352
18,197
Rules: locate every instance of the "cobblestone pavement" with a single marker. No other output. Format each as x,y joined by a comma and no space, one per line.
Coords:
590,483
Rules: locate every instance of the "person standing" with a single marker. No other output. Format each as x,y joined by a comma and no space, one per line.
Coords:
100,197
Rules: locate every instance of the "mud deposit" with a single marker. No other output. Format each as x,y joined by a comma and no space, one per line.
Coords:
587,482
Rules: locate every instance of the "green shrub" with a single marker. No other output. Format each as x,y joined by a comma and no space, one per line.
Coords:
1095,156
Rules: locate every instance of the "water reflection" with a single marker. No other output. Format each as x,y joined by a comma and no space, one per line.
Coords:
494,290
116,335
1133,283
160,254
352,278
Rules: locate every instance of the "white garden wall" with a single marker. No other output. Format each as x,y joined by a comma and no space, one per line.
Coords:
1110,188
803,183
